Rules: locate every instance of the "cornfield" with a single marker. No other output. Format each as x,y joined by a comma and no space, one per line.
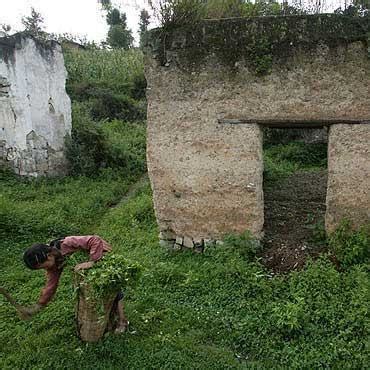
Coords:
113,68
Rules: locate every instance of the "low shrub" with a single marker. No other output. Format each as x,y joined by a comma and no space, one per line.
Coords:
138,87
108,105
274,170
94,146
127,146
349,246
86,147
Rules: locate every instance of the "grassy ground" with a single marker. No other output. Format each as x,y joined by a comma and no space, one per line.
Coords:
213,311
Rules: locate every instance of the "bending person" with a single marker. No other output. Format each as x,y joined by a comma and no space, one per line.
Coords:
52,259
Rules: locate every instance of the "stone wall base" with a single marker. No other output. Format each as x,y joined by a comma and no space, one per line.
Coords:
169,240
39,159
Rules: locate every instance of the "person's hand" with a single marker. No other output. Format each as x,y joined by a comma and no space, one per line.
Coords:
26,313
84,266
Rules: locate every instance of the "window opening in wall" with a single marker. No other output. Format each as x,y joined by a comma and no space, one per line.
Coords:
295,182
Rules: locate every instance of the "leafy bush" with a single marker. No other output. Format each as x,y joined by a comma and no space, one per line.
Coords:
180,12
349,246
86,148
94,146
127,146
107,105
138,87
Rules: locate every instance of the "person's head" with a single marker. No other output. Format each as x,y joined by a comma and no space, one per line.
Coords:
42,256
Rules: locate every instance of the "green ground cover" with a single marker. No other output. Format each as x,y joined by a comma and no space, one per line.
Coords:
218,310
281,160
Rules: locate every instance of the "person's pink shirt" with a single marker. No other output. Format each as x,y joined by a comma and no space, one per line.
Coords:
93,244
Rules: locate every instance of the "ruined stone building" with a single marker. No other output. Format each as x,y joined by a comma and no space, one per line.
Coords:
214,85
35,110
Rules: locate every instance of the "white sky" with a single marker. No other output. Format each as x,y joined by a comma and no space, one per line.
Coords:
79,17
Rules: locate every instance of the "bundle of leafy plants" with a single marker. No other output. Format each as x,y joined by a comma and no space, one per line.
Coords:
110,275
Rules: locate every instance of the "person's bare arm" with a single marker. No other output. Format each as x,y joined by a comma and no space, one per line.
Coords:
51,286
47,293
84,265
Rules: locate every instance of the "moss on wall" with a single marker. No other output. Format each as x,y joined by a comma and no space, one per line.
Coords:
9,44
259,41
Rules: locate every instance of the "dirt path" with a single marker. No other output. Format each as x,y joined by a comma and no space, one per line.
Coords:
292,207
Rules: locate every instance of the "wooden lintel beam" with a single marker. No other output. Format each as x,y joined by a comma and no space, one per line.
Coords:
292,123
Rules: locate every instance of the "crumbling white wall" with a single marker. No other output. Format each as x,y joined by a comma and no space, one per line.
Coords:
35,110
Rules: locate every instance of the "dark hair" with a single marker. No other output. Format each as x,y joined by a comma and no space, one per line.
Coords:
36,254
56,243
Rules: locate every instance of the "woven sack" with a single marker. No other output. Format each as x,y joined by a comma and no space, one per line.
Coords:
93,315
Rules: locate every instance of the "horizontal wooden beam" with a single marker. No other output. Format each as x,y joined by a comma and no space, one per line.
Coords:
293,123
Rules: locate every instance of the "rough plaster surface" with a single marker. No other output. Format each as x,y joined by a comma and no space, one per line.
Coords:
348,193
207,177
35,111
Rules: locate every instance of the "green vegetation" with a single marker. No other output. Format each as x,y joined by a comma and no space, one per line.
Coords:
282,160
97,145
218,310
351,248
119,36
180,12
212,311
172,12
108,93
114,70
110,274
259,43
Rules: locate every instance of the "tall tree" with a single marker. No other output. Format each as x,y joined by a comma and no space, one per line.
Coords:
33,24
105,3
143,25
5,29
119,36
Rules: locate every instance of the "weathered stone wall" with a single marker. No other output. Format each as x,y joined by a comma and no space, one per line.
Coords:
348,194
35,111
207,176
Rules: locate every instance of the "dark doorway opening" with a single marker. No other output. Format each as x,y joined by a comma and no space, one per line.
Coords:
295,182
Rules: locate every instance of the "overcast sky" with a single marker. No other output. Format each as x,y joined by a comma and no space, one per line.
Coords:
80,17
